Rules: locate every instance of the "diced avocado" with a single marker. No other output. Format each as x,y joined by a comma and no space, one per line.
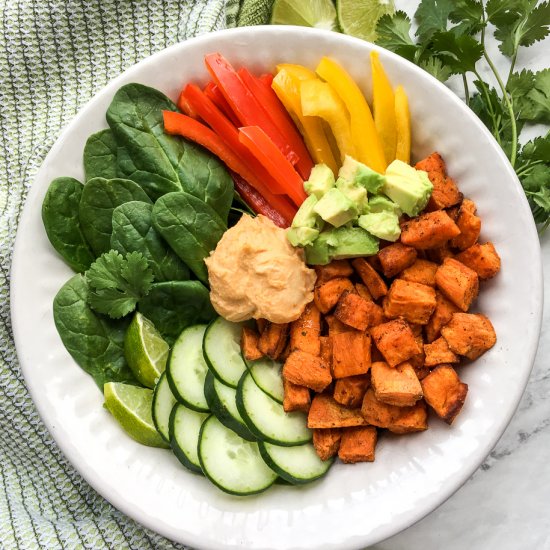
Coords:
384,225
321,179
351,242
356,172
318,253
306,216
301,236
380,203
355,193
408,187
335,208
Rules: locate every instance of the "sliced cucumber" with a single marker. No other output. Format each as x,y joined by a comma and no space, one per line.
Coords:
185,427
222,402
163,403
297,465
187,369
230,462
268,377
222,350
266,418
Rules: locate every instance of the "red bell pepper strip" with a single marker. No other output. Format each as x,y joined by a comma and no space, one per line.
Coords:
267,79
182,125
212,92
243,103
184,107
277,113
261,146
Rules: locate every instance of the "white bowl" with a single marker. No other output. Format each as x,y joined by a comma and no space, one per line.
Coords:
354,506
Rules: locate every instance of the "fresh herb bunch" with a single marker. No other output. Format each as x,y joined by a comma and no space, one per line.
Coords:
450,40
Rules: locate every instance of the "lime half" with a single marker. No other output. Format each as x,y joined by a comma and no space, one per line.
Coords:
359,17
305,13
132,408
145,350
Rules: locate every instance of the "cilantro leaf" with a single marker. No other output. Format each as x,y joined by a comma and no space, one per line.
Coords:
394,33
116,282
469,16
435,67
519,85
459,53
537,149
432,16
539,96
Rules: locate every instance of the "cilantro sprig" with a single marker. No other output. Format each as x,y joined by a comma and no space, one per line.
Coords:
450,40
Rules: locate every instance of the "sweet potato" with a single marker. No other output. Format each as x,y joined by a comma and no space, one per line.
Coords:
438,352
306,330
335,326
326,350
417,360
444,392
440,254
469,334
411,419
458,283
430,230
261,324
482,258
296,398
469,225
363,291
336,268
326,295
250,340
355,312
325,412
395,258
445,192
350,391
357,444
273,340
372,280
421,271
442,314
396,341
327,442
350,354
412,301
395,385
307,370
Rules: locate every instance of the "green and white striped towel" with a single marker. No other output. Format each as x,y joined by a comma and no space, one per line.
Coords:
54,56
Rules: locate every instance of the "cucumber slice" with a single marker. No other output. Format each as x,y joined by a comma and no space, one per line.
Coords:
232,463
185,427
268,377
222,351
187,369
222,402
266,418
297,465
163,403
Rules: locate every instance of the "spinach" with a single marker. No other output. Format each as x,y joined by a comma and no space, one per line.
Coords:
162,163
190,227
99,198
62,223
95,342
175,305
133,231
100,156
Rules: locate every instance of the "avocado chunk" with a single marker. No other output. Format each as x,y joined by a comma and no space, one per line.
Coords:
301,236
356,172
318,253
306,216
321,179
335,208
355,193
408,187
351,242
384,225
380,203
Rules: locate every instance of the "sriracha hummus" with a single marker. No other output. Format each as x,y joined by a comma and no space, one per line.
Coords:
254,272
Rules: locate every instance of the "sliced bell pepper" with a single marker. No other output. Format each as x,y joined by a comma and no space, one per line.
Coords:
403,120
184,107
213,93
266,78
384,108
261,146
320,99
366,140
299,71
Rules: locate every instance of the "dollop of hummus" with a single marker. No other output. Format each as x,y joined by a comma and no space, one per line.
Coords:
254,272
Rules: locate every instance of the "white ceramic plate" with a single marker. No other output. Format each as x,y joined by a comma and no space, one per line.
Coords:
354,506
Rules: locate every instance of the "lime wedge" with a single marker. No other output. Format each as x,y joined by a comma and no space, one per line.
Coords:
359,17
131,406
305,13
145,350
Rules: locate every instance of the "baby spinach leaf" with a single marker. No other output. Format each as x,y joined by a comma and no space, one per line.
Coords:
133,231
62,223
100,156
95,342
175,305
190,227
99,198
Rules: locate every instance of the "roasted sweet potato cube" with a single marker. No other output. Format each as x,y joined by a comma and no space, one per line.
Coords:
458,283
444,392
430,230
469,225
326,295
350,354
440,254
395,258
363,291
307,370
327,442
395,385
306,330
417,360
411,419
336,268
412,301
396,341
482,258
376,285
273,340
421,271
445,192
442,314
469,334
296,398
326,350
261,324
335,326
325,412
438,352
350,391
352,310
357,444
250,340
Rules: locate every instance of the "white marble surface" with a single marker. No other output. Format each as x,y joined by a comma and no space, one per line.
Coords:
505,505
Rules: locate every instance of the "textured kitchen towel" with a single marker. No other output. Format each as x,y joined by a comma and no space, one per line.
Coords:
54,56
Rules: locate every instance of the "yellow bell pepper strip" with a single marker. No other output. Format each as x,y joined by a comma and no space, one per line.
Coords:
384,108
320,99
298,71
403,120
363,131
287,88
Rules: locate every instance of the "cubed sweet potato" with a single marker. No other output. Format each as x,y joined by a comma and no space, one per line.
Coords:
326,350
438,352
336,269
307,370
469,225
417,360
444,392
445,192
442,314
273,340
350,354
395,258
363,291
396,341
306,330
357,444
395,385
326,295
327,442
412,301
355,312
469,334
296,398
429,230
458,283
325,412
250,340
376,285
335,326
440,254
261,324
411,419
482,258
421,271
350,391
